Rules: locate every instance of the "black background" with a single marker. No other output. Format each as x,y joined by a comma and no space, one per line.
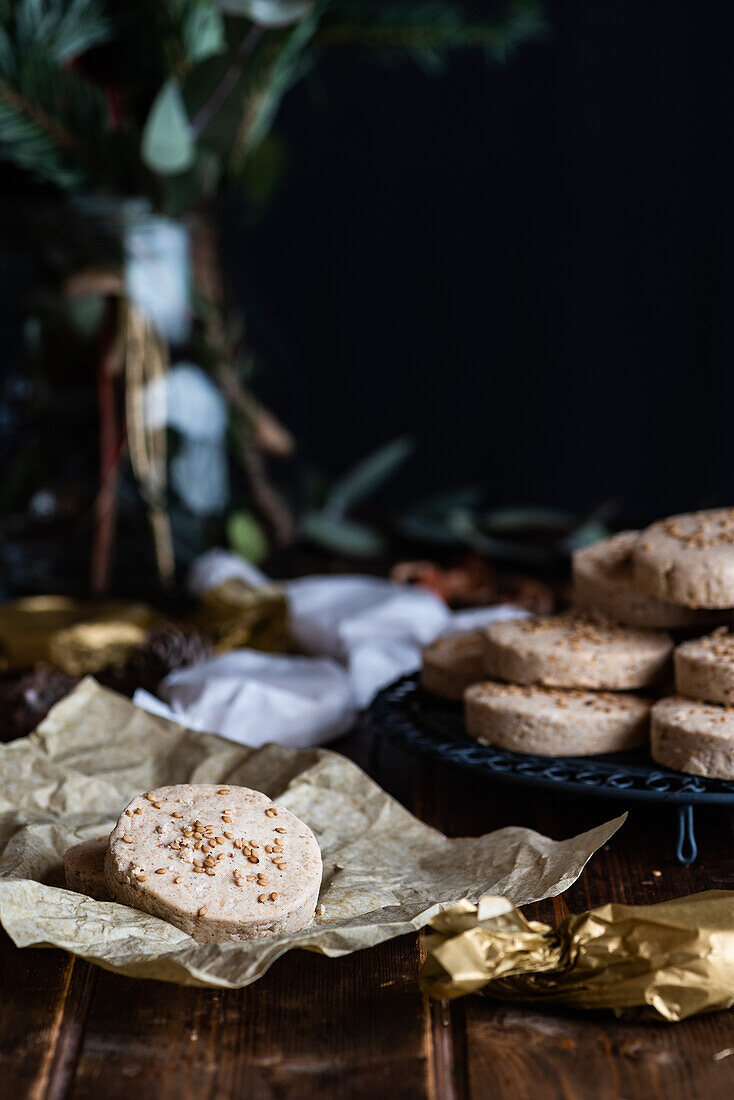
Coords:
528,269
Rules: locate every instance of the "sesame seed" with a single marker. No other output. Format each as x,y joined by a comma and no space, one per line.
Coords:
198,835
270,812
223,790
127,839
273,897
209,870
226,819
201,910
253,859
219,840
229,836
161,871
238,882
263,897
138,810
268,848
254,844
280,830
142,878
150,797
128,813
250,878
157,805
178,880
176,813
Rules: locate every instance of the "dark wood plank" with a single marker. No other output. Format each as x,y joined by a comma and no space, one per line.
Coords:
518,1052
42,1011
351,1027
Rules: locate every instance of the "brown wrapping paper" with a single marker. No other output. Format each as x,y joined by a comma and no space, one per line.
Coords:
665,961
385,872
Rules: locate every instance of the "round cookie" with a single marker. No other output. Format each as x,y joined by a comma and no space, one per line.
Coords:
693,737
453,662
554,723
688,559
219,862
704,668
84,868
603,581
574,651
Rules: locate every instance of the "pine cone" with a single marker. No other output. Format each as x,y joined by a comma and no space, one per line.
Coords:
26,701
164,650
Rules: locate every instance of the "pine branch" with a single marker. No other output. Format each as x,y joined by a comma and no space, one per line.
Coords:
32,139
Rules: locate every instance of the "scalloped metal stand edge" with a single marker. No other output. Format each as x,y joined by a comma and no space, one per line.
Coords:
427,726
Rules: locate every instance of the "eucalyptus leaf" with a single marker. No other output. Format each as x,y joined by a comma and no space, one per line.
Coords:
518,518
246,536
367,476
344,536
167,146
203,31
466,530
269,13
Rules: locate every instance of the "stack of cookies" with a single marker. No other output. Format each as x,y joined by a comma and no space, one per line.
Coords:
584,682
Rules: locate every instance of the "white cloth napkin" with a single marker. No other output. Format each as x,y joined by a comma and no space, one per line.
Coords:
255,698
360,634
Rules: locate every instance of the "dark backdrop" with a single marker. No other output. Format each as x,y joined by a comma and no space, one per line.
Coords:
528,268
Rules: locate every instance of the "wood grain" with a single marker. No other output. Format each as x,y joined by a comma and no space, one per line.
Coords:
358,1026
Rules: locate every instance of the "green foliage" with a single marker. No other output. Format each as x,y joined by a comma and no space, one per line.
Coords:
167,145
200,81
246,536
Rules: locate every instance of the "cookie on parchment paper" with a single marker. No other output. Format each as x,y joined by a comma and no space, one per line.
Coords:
84,868
532,719
220,862
574,650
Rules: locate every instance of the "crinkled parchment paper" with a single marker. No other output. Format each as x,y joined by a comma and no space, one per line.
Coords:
385,872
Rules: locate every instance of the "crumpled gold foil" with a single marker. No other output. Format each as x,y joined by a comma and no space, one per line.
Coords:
385,872
84,636
665,961
234,615
75,635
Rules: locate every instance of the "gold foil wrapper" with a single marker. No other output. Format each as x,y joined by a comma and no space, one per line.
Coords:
78,636
666,961
234,615
84,636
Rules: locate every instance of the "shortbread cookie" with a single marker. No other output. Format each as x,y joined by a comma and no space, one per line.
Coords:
453,662
84,868
603,581
555,723
688,559
704,668
219,862
693,737
574,651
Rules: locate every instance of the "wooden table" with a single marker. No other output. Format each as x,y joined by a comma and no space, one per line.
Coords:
358,1026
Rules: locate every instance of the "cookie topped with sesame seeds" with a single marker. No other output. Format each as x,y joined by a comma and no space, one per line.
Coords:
220,862
688,559
693,737
575,650
452,662
84,868
551,722
603,581
704,668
